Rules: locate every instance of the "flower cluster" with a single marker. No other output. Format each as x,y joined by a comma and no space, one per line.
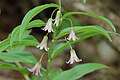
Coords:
43,45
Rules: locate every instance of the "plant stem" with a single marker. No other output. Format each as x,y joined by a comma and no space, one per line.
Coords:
49,60
50,51
25,75
49,57
60,5
48,70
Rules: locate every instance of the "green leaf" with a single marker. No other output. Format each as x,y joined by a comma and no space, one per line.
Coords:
31,14
40,78
77,29
27,40
92,15
15,32
7,66
35,23
14,35
4,44
55,73
23,57
62,46
57,49
65,22
21,48
4,65
79,71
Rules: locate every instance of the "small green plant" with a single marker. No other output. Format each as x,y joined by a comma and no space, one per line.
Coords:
20,38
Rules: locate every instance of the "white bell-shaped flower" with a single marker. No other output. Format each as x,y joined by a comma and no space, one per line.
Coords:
43,44
73,57
36,70
72,35
57,18
48,26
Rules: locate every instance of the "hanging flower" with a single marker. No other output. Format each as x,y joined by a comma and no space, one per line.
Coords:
73,57
43,44
72,35
57,18
48,26
36,70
